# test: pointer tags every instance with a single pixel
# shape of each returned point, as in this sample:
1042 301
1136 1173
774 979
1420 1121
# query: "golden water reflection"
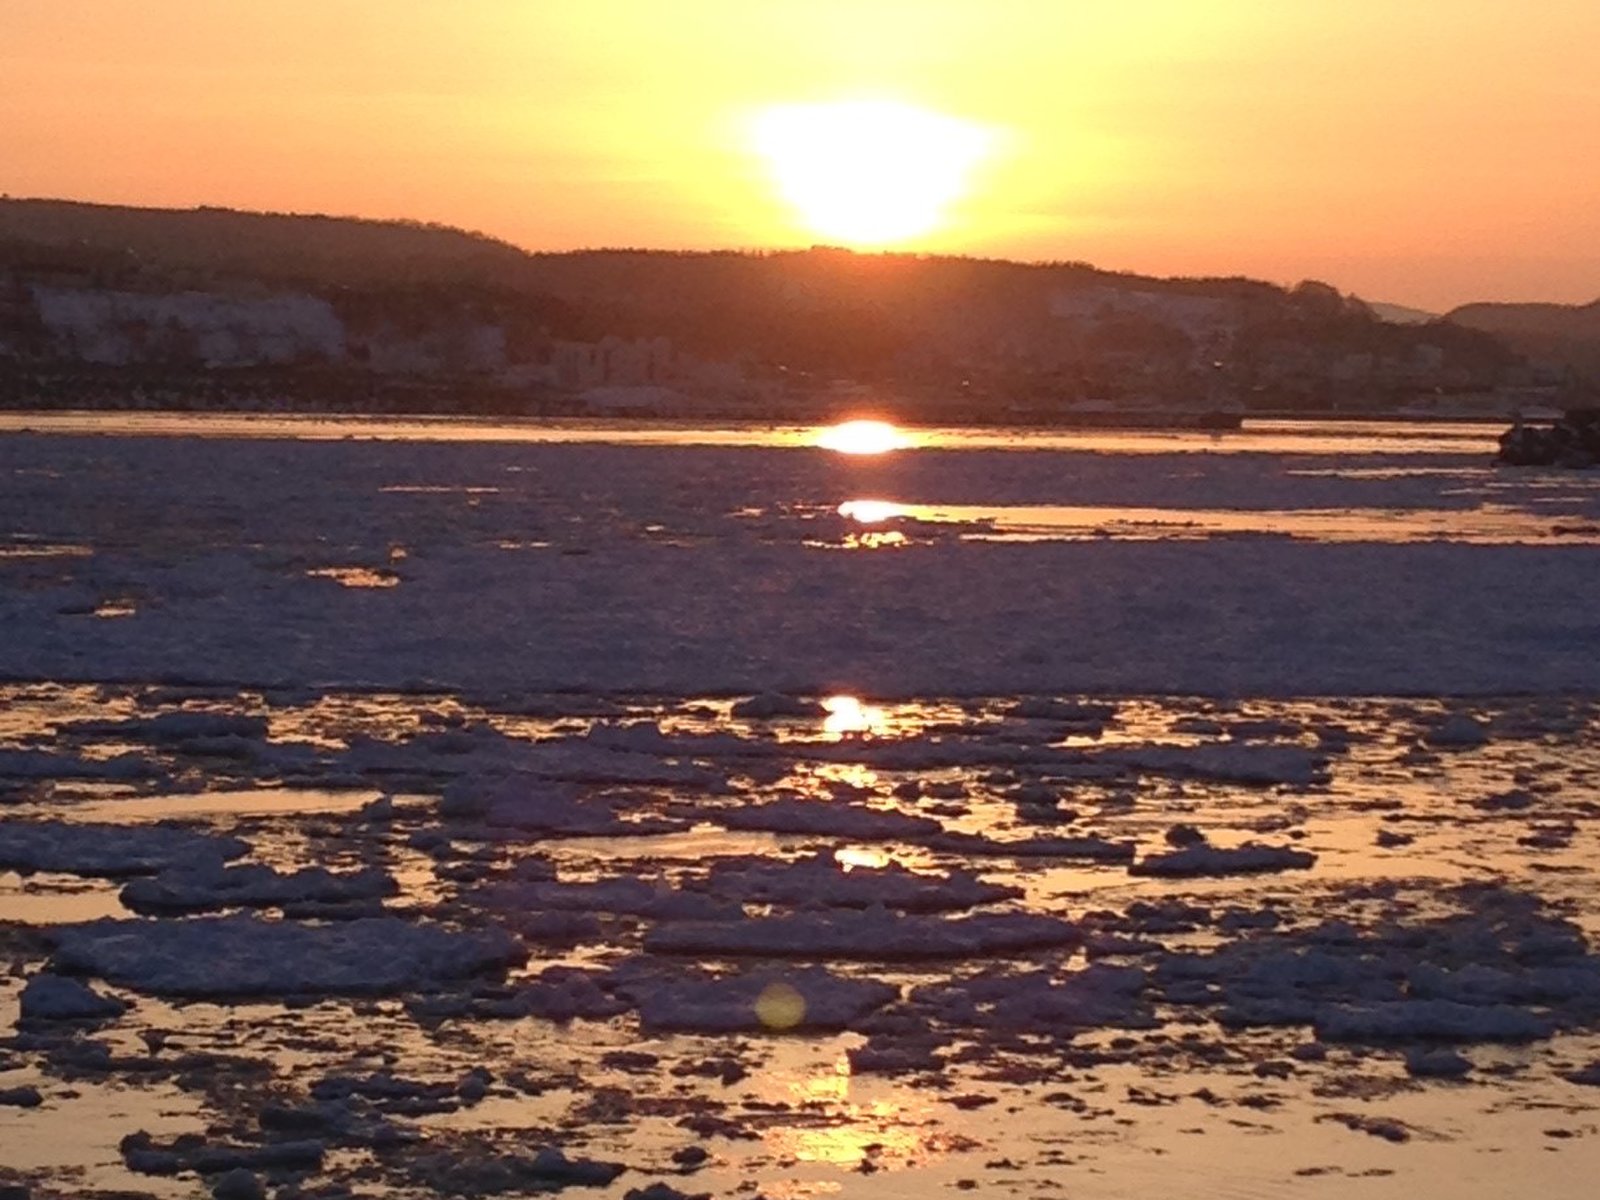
852 857
849 1133
357 577
1486 524
847 715
871 512
874 540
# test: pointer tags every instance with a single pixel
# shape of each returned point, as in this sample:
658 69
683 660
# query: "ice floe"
177 726
1430 1020
1097 996
820 881
48 997
634 897
770 706
212 885
246 956
872 935
46 764
1457 731
538 807
1093 849
1248 859
110 850
793 815
1238 762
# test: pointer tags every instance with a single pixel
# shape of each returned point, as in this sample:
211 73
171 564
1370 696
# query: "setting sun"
869 172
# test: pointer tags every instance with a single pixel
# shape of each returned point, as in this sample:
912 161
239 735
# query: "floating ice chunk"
1588 1076
1430 1020
828 819
1477 983
144 1154
1095 849
1288 986
1437 1064
56 998
108 849
241 1183
1097 996
175 727
485 751
1457 731
1513 800
213 885
245 956
43 764
888 1054
1233 762
630 737
770 706
1073 712
562 993
1263 729
780 1000
387 1092
821 881
1249 859
1379 1127
447 1173
647 738
579 763
536 807
634 897
873 935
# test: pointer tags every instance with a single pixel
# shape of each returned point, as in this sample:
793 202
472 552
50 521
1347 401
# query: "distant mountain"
1565 335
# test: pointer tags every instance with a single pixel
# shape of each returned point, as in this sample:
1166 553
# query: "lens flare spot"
862 437
780 1006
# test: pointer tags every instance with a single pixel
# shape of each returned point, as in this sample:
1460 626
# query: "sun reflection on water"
873 540
871 512
847 715
846 1131
862 437
851 857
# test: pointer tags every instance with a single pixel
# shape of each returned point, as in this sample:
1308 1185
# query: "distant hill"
1399 314
1564 334
277 247
208 288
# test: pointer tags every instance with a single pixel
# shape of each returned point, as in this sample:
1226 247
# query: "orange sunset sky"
1426 152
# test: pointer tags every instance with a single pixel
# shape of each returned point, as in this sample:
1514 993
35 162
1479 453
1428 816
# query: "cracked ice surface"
629 568
1039 914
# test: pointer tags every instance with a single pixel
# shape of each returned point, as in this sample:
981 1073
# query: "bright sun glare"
869 172
862 437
